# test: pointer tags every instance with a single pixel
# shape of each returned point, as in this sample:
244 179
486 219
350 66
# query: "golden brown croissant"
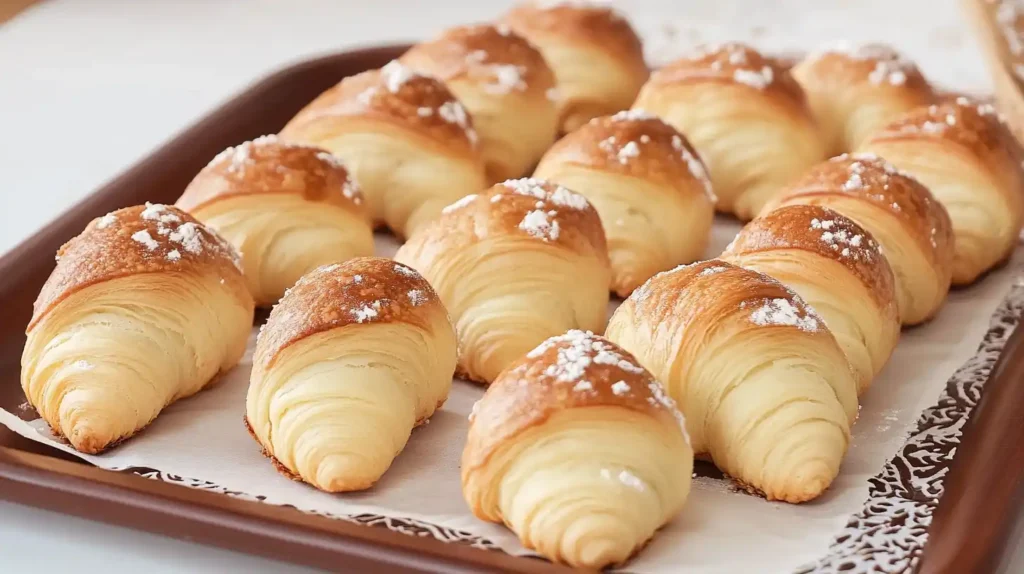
352 358
766 391
514 265
578 450
837 268
649 187
287 208
911 227
146 306
745 115
506 86
403 136
972 164
855 92
594 52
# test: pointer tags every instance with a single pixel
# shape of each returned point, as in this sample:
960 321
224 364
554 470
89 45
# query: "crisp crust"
826 233
636 144
533 209
877 65
732 63
708 292
393 94
598 27
971 125
481 54
268 166
364 290
873 180
149 238
575 370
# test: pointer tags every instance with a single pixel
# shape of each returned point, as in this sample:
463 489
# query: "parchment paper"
201 442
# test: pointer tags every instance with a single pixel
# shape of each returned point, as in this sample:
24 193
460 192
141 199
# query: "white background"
88 87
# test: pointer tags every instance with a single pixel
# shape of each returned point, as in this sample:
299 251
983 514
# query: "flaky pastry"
837 268
911 227
145 307
765 388
505 85
972 164
352 358
596 56
578 450
649 186
403 136
287 208
745 115
520 262
854 92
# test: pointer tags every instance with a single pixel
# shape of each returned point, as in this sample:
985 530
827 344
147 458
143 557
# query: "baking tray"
980 508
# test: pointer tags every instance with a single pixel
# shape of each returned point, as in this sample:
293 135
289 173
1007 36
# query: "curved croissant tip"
342 473
85 439
809 481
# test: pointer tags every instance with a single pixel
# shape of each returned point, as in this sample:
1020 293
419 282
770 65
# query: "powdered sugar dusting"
620 388
454 113
143 237
628 151
633 115
460 203
395 75
106 221
560 196
540 224
695 166
404 270
417 297
781 312
759 79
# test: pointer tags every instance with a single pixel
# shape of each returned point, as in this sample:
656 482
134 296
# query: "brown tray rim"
285 533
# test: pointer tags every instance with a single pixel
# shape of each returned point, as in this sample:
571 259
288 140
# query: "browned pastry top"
393 93
361 290
266 165
149 238
967 123
877 64
596 27
732 63
574 370
533 209
712 291
634 143
874 180
501 61
826 233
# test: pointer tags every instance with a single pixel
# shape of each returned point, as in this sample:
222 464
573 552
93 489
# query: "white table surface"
87 87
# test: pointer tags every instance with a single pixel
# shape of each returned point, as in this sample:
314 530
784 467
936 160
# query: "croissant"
853 93
287 208
145 307
972 164
835 266
514 265
766 391
597 58
579 451
403 136
649 187
505 85
745 115
912 228
352 358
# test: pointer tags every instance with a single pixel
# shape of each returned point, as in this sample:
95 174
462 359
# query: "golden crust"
599 26
717 290
636 144
149 238
735 64
268 166
970 125
483 54
393 94
871 64
825 233
358 291
533 209
574 370
875 181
